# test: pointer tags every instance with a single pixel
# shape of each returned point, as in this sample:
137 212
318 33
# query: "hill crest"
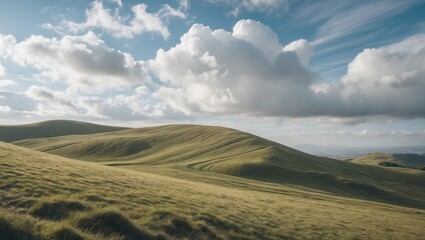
52 128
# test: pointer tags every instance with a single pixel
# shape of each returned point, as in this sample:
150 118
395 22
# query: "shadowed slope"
231 152
54 128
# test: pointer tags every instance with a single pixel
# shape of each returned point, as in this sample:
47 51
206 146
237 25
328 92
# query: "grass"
100 202
51 129
191 151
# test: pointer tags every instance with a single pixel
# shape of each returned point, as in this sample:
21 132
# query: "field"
198 182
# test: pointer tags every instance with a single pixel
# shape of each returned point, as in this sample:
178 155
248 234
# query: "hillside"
178 150
51 129
414 161
44 196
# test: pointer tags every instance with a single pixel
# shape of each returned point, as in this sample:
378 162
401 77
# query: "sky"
298 72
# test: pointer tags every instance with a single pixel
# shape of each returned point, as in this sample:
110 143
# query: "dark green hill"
231 152
54 128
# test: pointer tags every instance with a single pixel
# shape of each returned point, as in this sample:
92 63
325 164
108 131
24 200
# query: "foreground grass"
48 197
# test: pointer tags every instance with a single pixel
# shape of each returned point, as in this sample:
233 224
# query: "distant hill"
344 152
54 128
231 152
415 161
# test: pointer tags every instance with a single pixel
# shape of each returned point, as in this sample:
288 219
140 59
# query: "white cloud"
247 71
265 6
389 80
7 43
6 83
2 70
142 90
39 101
244 71
83 62
51 102
302 48
123 26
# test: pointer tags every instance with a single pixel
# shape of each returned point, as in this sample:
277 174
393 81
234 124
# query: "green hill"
43 196
54 128
414 161
178 150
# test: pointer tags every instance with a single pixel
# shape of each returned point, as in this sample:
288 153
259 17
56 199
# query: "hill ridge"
51 128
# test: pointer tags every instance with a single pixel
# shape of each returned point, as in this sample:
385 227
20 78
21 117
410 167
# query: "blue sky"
299 72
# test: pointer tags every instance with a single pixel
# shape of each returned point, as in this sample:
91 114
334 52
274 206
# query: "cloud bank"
246 71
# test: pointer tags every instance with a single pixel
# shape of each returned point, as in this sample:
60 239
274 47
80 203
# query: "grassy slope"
44 196
169 150
51 129
408 160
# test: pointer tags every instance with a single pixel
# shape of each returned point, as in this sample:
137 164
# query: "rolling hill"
191 151
51 129
43 196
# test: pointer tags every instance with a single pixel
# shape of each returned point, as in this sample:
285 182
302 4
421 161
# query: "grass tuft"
113 223
57 210
20 228
67 233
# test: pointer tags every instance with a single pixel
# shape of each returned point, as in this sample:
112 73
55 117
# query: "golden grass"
48 197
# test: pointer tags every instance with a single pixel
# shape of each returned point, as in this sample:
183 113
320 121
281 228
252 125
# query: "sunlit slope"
10 133
231 152
44 196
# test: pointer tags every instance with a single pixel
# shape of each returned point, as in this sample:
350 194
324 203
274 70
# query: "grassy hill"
398 160
51 129
186 151
43 196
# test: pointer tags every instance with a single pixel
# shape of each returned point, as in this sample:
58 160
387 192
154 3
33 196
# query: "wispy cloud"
345 18
264 6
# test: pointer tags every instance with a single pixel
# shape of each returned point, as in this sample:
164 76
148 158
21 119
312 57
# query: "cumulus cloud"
247 71
232 72
84 62
124 26
387 81
265 6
